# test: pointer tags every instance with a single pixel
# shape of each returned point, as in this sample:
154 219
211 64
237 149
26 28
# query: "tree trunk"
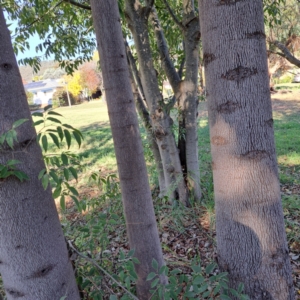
251 238
136 194
161 121
34 262
185 92
144 114
189 93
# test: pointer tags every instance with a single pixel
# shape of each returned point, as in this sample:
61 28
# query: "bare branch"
78 4
180 25
134 70
163 49
148 8
102 270
287 54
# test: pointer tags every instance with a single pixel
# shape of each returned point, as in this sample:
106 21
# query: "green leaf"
54 120
53 174
130 253
203 288
60 132
13 162
162 270
62 202
10 139
133 274
69 126
68 137
154 264
234 293
151 276
135 260
240 287
189 294
73 190
64 159
55 139
45 143
38 114
45 181
78 138
52 112
76 202
113 297
210 268
206 294
2 138
57 192
225 297
198 280
175 271
41 174
154 283
196 268
66 174
18 123
73 172
21 175
38 122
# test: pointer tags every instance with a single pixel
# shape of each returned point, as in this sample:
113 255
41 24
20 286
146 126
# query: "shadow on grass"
98 143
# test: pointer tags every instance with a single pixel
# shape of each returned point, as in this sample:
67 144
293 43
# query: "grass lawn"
187 234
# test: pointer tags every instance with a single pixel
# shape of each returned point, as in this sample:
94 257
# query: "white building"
43 90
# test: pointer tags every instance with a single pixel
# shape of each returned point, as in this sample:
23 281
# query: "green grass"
97 155
287 86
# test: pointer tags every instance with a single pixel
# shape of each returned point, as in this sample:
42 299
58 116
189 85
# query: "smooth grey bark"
34 261
137 17
136 194
185 91
140 101
251 238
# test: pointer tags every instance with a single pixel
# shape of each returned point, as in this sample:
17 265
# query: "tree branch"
148 8
163 49
134 71
287 54
180 25
102 270
78 4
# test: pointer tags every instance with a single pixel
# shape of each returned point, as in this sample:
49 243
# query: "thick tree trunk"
251 238
136 194
34 262
161 121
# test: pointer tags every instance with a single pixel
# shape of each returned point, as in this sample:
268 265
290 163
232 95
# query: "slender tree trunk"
136 194
185 92
189 93
161 121
145 116
251 238
34 262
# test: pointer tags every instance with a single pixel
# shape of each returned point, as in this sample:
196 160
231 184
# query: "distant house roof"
44 85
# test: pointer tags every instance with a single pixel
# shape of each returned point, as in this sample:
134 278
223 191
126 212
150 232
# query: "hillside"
48 69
